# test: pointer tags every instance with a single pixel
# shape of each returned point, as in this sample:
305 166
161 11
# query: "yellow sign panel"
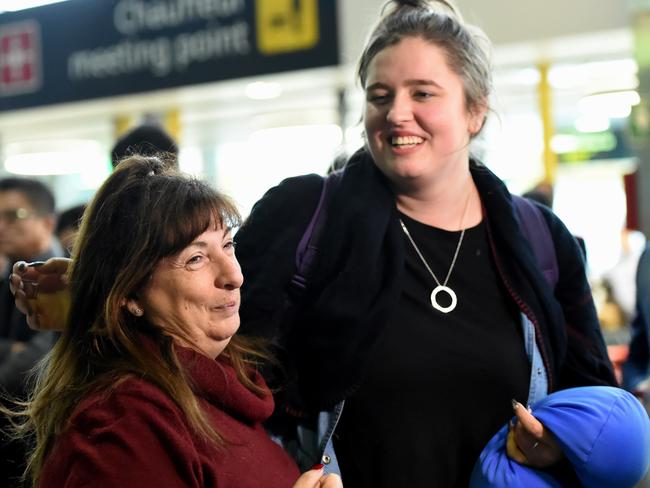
286 25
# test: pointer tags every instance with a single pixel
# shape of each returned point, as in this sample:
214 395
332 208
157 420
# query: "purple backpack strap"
539 237
308 245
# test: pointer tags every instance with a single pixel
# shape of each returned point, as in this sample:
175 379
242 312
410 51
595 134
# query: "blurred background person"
27 221
147 139
543 193
636 370
539 196
621 277
67 226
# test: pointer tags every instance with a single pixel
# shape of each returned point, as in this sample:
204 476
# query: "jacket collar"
520 271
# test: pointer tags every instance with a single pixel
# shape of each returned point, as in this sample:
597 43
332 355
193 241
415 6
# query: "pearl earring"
137 311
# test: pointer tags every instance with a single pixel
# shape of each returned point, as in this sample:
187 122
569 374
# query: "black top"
438 386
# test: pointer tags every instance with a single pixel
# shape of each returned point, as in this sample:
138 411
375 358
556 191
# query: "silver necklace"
441 288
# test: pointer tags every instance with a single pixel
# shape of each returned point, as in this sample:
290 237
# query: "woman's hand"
40 291
314 478
529 442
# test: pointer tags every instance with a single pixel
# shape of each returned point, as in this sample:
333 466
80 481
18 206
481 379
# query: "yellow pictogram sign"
286 25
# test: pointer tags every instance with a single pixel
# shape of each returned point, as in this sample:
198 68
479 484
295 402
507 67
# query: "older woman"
148 384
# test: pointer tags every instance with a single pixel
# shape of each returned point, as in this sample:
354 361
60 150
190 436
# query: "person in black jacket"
425 313
26 233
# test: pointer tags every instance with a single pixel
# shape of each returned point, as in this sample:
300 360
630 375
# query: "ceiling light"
44 163
592 123
609 104
518 77
263 90
564 143
565 76
584 142
54 157
14 5
300 135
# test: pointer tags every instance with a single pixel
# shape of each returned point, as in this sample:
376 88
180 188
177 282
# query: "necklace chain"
441 287
426 265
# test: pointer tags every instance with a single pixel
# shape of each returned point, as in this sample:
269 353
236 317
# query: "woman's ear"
477 116
132 305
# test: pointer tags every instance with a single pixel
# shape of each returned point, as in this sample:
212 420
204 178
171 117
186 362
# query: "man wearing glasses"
27 222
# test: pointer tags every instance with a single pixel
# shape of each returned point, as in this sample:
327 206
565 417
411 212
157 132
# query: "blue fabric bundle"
604 432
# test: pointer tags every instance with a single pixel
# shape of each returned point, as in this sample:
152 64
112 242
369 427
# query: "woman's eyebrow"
416 82
201 244
413 82
377 86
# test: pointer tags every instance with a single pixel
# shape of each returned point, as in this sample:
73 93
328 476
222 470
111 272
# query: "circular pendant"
449 292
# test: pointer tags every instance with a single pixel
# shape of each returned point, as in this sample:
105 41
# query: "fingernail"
316 467
530 410
35 264
515 404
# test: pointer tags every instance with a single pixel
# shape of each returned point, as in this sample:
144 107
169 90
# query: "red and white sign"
20 58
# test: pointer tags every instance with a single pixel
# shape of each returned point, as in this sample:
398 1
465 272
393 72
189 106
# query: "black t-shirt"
438 386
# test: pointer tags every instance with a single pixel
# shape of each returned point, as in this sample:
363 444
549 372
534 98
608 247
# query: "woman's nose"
400 110
229 275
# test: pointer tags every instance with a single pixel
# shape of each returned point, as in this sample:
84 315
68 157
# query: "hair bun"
412 3
426 4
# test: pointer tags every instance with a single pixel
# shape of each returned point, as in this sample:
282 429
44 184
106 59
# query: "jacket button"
539 371
326 459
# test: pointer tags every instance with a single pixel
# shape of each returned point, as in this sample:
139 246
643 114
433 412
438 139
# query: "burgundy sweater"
138 437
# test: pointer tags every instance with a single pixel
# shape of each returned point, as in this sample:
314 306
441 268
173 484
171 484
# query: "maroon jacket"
137 436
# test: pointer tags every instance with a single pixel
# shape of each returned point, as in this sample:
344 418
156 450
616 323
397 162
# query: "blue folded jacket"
604 432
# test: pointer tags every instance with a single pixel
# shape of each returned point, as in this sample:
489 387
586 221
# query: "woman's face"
197 291
416 122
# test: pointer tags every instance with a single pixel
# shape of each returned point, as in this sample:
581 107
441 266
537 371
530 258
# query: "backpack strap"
539 237
308 245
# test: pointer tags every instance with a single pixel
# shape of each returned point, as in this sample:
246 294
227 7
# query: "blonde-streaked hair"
144 212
